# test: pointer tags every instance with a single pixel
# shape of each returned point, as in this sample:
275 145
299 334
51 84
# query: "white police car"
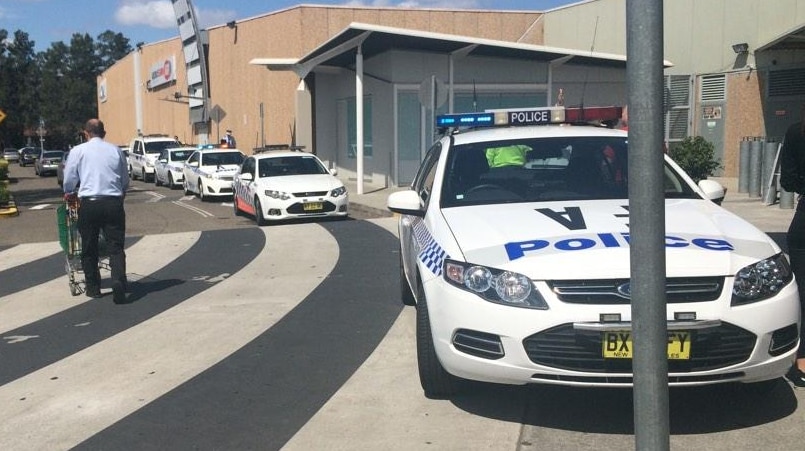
143 152
520 274
278 185
209 171
169 166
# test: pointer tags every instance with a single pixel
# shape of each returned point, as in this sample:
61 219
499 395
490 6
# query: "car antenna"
587 72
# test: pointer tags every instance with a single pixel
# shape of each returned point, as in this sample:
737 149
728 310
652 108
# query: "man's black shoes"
119 292
796 376
94 292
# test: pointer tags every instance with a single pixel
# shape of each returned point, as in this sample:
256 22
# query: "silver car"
11 154
48 162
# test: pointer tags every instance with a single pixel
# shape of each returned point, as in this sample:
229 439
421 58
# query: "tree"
696 156
111 47
19 80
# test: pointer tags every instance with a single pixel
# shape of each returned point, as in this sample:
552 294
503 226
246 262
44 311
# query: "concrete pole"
644 83
359 117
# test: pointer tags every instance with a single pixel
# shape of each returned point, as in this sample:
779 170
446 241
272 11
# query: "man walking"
96 171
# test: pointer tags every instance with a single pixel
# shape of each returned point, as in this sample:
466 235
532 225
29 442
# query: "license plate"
312 206
618 345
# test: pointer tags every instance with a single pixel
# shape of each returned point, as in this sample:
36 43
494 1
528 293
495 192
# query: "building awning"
376 39
793 39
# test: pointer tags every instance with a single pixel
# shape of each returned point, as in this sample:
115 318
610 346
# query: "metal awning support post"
644 85
359 116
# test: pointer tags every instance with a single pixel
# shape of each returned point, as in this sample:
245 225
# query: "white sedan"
279 185
209 171
169 166
520 273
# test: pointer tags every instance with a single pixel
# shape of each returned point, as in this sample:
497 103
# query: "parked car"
520 273
168 168
143 152
60 169
279 185
11 154
48 162
209 171
28 155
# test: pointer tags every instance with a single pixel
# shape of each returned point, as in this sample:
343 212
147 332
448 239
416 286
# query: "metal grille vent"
714 88
789 82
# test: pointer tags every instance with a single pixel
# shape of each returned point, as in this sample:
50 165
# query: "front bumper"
479 340
304 207
217 186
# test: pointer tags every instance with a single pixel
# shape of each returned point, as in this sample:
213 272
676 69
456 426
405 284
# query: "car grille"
299 209
310 194
616 291
581 350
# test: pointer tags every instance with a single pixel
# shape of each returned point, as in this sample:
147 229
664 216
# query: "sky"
48 21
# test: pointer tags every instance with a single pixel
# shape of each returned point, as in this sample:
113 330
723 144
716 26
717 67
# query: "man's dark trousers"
94 215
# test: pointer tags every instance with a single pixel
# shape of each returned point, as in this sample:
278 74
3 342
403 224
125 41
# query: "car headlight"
340 191
761 280
274 194
149 164
494 285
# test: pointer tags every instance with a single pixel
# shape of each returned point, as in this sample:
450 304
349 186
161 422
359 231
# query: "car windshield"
53 154
279 166
221 158
544 169
31 151
180 155
158 146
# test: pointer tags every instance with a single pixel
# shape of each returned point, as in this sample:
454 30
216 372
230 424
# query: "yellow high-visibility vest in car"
514 155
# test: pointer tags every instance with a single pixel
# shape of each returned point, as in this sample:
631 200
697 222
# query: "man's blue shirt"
97 168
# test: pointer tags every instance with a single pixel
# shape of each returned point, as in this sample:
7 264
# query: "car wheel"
258 212
186 187
131 176
156 180
170 180
406 294
436 382
201 195
142 175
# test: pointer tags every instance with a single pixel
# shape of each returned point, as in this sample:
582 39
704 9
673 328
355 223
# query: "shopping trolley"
70 240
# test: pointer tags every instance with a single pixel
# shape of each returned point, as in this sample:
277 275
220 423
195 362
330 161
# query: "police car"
520 273
209 171
278 185
143 152
169 166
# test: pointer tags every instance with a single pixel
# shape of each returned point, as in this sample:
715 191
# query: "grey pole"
768 187
743 166
644 85
755 162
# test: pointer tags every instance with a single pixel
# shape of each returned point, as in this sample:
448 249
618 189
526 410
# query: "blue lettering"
712 244
574 244
673 241
518 250
609 240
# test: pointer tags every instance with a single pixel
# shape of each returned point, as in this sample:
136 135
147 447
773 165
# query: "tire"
142 175
186 187
258 212
201 195
131 175
156 180
406 294
436 382
170 180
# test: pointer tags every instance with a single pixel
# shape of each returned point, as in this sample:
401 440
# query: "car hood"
590 239
300 183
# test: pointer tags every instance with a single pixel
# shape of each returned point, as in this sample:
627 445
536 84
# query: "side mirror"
246 177
163 160
713 190
334 171
405 203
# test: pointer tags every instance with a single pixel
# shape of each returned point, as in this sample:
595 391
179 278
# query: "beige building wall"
238 88
161 112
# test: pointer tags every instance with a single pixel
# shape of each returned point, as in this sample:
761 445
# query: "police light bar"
205 146
529 116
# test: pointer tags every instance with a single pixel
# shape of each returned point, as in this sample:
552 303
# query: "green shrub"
5 194
3 169
696 156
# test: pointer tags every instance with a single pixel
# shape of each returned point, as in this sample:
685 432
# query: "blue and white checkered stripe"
432 255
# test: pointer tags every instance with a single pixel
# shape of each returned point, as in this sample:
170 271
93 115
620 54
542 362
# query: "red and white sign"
162 72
